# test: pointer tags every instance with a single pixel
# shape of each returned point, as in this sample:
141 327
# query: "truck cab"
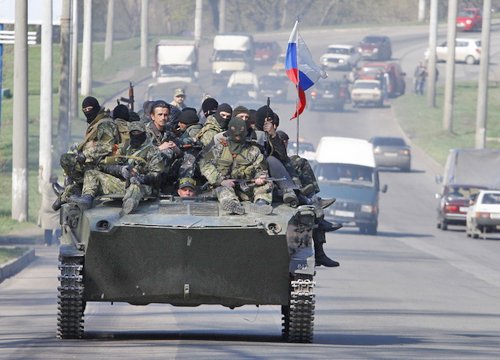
232 52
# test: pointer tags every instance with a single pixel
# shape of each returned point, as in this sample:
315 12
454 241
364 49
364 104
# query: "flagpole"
298 86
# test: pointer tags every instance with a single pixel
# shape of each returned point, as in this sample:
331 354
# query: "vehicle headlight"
341 61
367 208
375 50
468 21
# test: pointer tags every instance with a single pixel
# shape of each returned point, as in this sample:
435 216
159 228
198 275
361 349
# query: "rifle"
245 184
130 100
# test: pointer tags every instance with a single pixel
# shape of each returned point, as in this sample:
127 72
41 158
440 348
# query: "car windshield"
229 55
303 147
327 85
341 51
177 70
467 13
461 191
389 141
372 40
347 173
365 85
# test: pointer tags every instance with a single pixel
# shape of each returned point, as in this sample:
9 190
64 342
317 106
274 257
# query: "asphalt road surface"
411 292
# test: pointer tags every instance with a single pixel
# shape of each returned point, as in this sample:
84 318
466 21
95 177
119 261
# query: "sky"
7 13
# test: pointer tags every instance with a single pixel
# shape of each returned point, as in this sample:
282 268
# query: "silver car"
391 152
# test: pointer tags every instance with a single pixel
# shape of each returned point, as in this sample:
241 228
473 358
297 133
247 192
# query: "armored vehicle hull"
187 253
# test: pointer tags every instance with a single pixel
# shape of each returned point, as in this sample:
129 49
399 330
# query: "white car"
483 215
244 80
365 92
466 50
340 57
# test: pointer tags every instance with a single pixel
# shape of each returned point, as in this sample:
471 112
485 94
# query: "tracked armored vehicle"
187 252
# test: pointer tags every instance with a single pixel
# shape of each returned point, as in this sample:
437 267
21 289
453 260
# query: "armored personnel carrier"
187 252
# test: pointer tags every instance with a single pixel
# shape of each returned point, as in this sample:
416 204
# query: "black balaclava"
209 106
261 115
236 134
121 112
137 134
225 108
91 101
189 116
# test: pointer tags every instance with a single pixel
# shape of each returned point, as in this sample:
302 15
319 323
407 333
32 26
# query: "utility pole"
449 90
108 44
73 103
63 125
45 154
482 93
86 78
431 63
421 10
20 115
222 16
144 33
197 22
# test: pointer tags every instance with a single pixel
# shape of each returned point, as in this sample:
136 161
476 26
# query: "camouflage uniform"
219 164
101 139
306 175
209 130
188 142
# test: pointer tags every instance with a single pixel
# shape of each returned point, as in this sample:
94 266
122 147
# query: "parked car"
453 204
391 72
340 57
274 87
367 92
328 94
483 214
391 152
266 52
375 47
469 19
466 50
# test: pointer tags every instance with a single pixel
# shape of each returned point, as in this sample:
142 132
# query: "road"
412 291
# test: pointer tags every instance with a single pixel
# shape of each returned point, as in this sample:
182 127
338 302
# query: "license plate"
391 154
328 96
463 209
344 213
495 216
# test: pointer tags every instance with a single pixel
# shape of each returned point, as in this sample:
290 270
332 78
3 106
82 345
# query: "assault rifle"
130 100
245 184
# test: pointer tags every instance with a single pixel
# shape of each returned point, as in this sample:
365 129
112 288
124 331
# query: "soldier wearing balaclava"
215 124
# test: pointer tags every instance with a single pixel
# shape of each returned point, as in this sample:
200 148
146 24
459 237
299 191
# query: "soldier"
209 107
215 124
231 161
121 116
101 139
179 98
135 173
187 188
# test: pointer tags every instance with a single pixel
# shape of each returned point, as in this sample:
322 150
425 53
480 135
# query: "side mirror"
384 188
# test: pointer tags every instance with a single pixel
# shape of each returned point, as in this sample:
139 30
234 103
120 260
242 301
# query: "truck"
175 61
231 52
345 169
467 171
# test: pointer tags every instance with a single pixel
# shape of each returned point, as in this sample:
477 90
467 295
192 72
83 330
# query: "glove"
228 183
80 157
125 172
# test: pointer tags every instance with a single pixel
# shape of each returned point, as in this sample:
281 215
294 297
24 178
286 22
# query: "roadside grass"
7 254
424 125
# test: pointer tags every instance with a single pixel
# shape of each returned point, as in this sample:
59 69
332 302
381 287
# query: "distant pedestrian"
48 219
420 75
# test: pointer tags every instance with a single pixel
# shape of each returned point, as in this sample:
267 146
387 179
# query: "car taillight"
313 94
483 215
451 208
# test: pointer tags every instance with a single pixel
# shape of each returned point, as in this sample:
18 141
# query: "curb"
16 265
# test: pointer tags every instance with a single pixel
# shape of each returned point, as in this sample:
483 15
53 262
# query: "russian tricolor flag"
300 67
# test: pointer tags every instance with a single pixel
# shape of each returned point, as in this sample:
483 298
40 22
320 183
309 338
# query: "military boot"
232 206
261 206
324 203
308 190
58 189
290 198
128 206
319 255
57 204
84 202
327 226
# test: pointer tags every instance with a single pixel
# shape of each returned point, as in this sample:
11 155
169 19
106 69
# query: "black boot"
327 226
319 254
58 189
57 204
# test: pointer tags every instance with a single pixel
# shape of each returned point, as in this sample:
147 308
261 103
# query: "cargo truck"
175 61
232 52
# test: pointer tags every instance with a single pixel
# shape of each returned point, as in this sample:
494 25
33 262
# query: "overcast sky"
7 11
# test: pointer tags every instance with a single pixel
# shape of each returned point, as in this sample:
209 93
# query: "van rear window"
344 173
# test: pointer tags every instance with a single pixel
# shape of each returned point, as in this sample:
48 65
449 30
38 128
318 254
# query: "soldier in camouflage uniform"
121 116
135 172
101 139
188 143
234 159
215 124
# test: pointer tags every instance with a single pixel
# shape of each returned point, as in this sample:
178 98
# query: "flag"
300 67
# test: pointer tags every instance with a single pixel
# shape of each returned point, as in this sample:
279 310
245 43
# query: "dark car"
453 204
391 152
274 87
375 47
266 52
329 95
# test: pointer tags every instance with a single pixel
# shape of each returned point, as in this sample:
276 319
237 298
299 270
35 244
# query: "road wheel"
443 225
371 229
469 60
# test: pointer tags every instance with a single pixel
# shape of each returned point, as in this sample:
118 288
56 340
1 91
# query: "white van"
246 81
345 169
